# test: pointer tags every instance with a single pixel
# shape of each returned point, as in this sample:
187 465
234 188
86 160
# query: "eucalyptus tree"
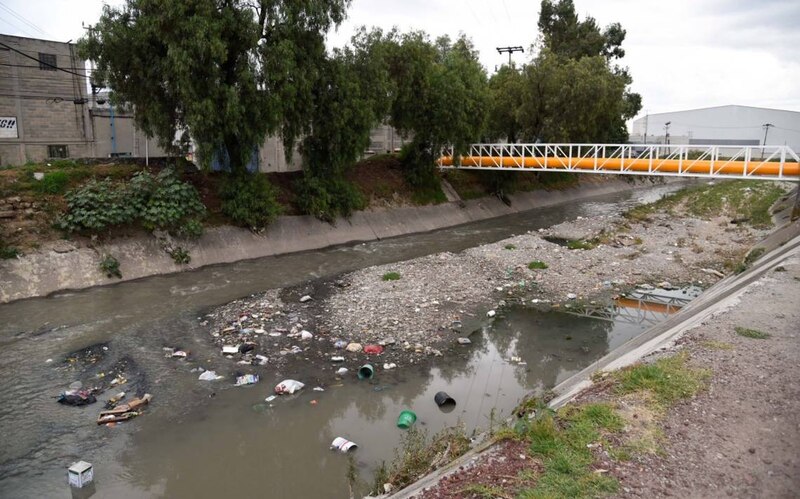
228 71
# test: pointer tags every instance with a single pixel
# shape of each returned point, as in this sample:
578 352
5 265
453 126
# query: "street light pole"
764 144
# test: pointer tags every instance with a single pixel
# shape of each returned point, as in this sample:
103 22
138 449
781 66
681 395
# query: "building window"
57 152
47 62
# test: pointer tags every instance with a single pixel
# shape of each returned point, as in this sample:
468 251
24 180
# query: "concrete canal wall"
64 265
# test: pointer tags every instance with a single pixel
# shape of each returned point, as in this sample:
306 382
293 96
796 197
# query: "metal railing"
713 161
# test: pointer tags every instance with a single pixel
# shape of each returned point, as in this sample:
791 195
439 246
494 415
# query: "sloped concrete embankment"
61 265
778 246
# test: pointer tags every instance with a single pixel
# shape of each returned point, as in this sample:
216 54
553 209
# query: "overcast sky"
682 54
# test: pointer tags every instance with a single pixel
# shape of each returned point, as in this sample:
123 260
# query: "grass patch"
53 183
416 456
753 255
669 379
580 244
537 265
625 427
391 276
561 444
716 345
510 247
747 201
751 333
8 252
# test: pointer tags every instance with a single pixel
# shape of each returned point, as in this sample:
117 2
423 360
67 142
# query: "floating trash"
288 386
343 445
366 371
406 419
247 379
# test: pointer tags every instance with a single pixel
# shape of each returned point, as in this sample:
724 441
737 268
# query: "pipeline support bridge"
705 161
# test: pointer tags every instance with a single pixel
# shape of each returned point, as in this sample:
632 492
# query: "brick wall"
42 100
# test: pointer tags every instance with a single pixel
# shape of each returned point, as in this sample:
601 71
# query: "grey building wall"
50 106
127 139
385 139
721 125
272 157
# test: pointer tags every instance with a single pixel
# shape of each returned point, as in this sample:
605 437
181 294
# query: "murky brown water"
189 444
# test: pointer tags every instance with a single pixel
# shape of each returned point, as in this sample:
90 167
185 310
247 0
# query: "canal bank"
196 431
738 436
63 265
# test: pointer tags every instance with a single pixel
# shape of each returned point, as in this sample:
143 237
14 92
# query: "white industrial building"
721 125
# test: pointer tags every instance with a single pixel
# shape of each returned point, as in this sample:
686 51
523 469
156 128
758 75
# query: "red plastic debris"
373 349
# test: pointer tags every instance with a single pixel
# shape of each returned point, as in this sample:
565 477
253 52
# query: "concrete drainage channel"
781 244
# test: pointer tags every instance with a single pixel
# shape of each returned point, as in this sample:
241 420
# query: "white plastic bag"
288 386
209 376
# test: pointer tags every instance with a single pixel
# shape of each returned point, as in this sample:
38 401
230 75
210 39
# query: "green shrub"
63 163
250 201
537 265
110 267
7 252
191 229
180 256
53 183
96 206
391 276
328 198
166 201
156 202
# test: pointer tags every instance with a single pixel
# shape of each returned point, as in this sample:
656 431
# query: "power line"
42 62
17 27
505 7
31 66
24 20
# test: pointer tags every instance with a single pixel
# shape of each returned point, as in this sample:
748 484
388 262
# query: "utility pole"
646 123
764 144
510 51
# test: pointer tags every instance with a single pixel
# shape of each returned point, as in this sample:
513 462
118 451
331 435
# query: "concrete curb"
47 271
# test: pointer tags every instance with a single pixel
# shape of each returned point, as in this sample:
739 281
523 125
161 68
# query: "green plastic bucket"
406 419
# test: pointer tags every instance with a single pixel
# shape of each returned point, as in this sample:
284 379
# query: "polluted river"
209 439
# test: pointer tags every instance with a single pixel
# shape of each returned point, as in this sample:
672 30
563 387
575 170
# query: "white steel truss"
689 160
639 307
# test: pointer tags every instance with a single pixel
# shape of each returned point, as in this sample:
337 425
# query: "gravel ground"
738 438
741 437
420 315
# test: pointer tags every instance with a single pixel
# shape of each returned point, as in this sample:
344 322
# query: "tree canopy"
228 71
231 72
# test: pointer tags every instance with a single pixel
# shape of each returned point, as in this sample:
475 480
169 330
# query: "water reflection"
191 444
225 446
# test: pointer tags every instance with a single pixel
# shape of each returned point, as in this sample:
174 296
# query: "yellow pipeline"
790 169
647 305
